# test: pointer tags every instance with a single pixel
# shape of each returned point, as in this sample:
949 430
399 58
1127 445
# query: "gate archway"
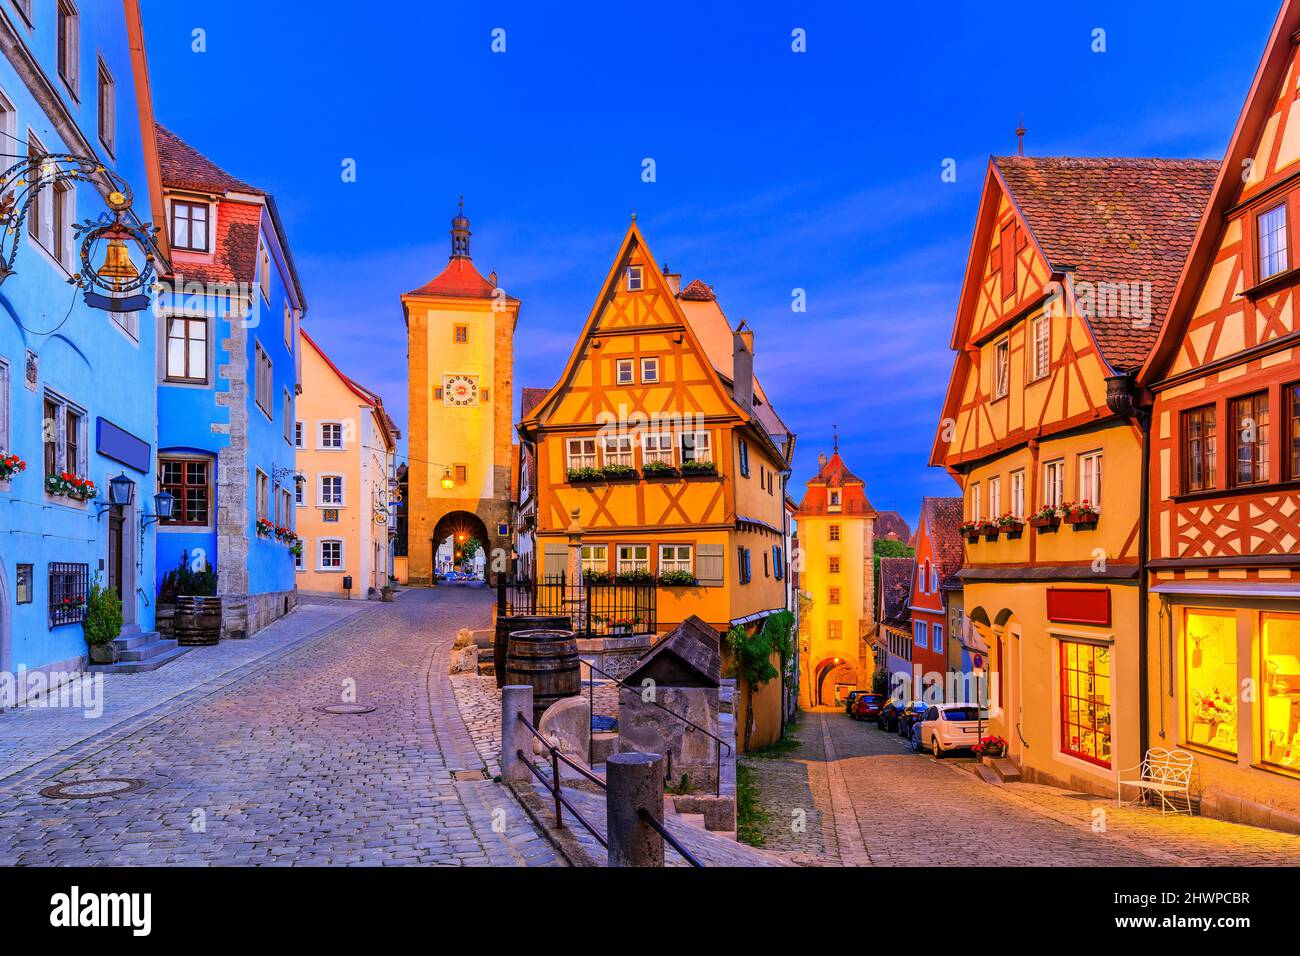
829 673
453 532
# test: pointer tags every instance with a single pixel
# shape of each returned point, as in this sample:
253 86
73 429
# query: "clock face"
460 390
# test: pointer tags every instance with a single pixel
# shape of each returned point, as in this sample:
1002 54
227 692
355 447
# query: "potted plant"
676 579
1046 518
1082 513
265 528
583 475
990 530
386 593
971 530
621 626
103 623
11 465
696 468
658 469
616 471
1010 524
634 577
188 608
68 485
991 747
596 577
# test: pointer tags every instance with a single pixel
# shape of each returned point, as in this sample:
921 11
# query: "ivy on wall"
752 653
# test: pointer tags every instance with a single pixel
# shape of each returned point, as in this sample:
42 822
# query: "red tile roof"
896 589
1112 221
835 474
460 280
531 397
943 518
184 167
696 291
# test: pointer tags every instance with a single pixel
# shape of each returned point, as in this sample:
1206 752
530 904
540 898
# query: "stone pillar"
635 782
516 699
575 586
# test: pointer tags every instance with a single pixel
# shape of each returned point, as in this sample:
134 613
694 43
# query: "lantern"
447 481
121 490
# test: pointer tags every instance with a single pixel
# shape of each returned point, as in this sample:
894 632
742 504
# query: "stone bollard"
634 782
516 699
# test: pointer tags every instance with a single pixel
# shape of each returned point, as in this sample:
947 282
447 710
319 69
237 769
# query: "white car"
952 727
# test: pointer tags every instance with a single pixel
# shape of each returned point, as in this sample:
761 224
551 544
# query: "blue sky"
775 170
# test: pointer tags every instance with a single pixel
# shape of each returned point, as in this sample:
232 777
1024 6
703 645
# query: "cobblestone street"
239 766
853 795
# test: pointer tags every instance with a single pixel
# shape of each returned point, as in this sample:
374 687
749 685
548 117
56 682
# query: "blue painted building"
76 383
228 376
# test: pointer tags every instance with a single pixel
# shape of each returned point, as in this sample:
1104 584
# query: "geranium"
11 465
990 746
68 485
1009 520
265 527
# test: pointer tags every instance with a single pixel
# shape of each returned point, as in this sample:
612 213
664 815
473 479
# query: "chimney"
742 362
674 280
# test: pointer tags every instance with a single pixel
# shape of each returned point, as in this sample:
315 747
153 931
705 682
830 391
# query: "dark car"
887 719
867 706
911 714
853 695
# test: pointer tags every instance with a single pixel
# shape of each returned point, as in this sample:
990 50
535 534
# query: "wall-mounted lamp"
447 481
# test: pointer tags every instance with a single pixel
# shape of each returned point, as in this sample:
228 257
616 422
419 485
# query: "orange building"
1224 608
659 437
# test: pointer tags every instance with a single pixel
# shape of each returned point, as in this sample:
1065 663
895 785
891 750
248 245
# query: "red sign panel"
1079 606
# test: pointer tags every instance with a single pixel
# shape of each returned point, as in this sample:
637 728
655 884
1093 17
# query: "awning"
1249 589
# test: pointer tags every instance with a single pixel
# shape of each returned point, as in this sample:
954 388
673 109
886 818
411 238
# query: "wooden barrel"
197 620
520 622
548 661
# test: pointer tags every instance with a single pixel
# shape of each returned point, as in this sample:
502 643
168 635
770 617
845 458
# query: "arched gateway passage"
830 673
461 547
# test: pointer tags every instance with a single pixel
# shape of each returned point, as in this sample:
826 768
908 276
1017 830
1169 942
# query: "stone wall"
645 728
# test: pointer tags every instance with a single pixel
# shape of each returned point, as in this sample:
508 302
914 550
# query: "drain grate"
92 787
469 775
346 708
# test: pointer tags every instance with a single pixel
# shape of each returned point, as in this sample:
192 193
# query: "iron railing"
69 588
610 609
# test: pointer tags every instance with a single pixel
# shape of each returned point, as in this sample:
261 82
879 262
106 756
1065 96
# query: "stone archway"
829 673
459 527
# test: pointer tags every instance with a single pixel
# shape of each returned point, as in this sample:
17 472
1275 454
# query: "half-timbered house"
1224 608
1071 266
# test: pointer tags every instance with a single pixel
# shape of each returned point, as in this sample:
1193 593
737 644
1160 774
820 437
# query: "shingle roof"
896 589
530 399
690 655
1114 221
460 279
835 474
696 291
943 516
184 167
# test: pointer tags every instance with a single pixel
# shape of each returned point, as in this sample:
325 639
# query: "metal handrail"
671 840
636 690
551 748
555 790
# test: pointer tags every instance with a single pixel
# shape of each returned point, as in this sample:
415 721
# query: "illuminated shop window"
1280 647
1085 701
1210 650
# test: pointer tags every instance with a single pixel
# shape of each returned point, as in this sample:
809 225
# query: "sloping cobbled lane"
252 772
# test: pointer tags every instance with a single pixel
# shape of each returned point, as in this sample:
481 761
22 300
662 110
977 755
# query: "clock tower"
460 330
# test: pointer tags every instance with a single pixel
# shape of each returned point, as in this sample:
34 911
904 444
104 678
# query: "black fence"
615 609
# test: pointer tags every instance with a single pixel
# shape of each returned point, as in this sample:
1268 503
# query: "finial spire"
1020 136
460 232
835 442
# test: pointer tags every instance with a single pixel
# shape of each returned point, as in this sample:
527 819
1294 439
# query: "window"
1291 400
1007 259
264 272
833 596
1018 493
1085 701
297 434
331 490
331 435
1001 368
675 557
69 587
64 212
634 559
920 634
936 637
288 327
696 446
834 630
1250 439
934 579
298 493
288 418
189 226
461 473
68 43
976 499
186 479
618 450
649 370
1272 242
107 103
657 447
38 214
833 502
766 568
923 575
1090 479
187 349
778 562
742 447
331 555
1280 669
634 277
263 378
5 447
64 431
833 532
298 563
460 333
995 497
1054 483
595 559
833 563
1210 689
580 453
624 372
742 554
1041 332
23 582
262 485
285 508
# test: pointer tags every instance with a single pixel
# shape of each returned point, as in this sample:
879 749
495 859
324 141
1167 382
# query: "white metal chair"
1164 773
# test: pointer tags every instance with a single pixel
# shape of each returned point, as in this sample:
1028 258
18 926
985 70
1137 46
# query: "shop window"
1280 668
1210 650
1085 701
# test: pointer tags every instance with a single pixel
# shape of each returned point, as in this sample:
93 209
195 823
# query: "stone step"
139 667
135 640
692 819
986 774
1006 769
144 652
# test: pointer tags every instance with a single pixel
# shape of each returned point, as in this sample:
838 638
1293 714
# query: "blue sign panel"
120 445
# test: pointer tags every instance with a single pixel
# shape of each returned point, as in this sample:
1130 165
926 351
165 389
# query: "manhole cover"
93 787
346 709
468 775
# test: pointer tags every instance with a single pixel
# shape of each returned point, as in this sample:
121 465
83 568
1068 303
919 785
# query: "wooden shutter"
710 565
555 559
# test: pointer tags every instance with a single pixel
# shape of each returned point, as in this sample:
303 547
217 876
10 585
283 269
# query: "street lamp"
447 482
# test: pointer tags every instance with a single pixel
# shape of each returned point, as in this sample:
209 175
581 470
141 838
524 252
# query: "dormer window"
634 277
1272 242
834 500
189 226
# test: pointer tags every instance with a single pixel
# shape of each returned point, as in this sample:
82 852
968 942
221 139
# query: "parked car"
898 713
947 727
909 715
887 719
917 744
848 700
866 706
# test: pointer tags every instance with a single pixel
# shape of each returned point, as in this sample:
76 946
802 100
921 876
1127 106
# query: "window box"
990 530
676 579
971 530
696 469
584 475
1048 519
1010 525
634 577
11 465
616 472
265 528
1080 516
658 469
67 485
597 577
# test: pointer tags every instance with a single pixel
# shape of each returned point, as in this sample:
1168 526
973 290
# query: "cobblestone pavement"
875 802
244 769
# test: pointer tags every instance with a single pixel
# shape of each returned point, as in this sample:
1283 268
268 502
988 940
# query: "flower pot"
1045 524
387 595
104 653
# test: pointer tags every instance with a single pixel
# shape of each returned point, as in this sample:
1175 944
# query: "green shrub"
103 623
618 471
654 469
184 581
585 474
676 579
699 468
